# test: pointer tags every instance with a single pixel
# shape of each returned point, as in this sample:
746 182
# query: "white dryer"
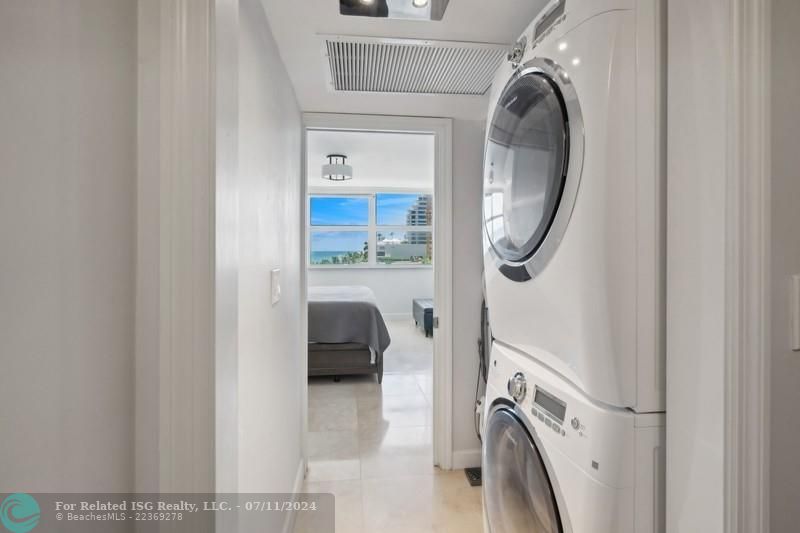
555 461
573 198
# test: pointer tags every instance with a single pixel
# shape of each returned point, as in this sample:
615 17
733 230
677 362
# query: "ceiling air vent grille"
410 66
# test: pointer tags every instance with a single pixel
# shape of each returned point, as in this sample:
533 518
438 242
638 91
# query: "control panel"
546 407
601 441
549 422
550 409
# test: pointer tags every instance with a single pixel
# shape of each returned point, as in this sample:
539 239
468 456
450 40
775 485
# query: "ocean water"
319 257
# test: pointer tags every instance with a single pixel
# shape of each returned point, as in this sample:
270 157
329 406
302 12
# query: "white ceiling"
296 26
379 160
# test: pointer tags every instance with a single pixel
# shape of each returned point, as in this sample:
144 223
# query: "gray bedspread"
346 314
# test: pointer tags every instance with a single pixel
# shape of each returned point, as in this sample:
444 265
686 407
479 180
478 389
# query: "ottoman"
423 314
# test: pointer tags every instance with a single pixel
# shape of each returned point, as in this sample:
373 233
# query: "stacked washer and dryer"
573 428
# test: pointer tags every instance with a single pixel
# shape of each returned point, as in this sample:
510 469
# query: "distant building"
417 246
392 250
421 214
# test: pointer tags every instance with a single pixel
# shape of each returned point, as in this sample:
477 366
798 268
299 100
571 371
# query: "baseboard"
288 526
300 477
466 458
397 316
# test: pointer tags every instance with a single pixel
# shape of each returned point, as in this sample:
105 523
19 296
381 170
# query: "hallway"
371 446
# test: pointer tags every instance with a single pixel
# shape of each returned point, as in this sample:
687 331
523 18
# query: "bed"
346 332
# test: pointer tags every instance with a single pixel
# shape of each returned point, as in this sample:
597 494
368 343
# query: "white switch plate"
796 312
275 281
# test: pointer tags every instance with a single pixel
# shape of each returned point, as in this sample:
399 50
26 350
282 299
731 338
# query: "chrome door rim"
533 265
516 411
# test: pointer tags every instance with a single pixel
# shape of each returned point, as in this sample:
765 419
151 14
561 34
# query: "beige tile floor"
371 446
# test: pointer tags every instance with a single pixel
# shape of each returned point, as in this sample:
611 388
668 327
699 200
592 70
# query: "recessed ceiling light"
562 45
419 3
367 2
576 61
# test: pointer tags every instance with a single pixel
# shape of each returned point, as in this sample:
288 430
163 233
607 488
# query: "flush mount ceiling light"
337 169
419 3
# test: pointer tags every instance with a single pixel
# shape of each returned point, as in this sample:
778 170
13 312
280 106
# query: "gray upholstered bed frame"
342 360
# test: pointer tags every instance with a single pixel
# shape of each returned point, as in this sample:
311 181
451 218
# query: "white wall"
785 258
697 123
467 284
270 350
226 231
379 159
394 288
67 176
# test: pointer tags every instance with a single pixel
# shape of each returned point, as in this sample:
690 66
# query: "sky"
392 208
354 211
339 211
338 241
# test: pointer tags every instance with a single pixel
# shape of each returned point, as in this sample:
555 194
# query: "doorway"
392 254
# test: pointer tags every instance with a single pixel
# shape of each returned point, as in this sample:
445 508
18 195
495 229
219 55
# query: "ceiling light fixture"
337 169
396 9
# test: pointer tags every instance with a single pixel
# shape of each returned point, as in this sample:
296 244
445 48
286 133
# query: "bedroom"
370 281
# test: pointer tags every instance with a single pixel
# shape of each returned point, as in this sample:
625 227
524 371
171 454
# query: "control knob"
517 387
517 52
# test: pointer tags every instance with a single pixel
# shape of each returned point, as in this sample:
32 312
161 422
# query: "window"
374 229
339 211
404 209
339 247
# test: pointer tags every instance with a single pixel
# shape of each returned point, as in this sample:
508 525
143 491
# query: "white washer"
555 461
573 198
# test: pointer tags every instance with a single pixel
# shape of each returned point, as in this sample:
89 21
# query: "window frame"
372 228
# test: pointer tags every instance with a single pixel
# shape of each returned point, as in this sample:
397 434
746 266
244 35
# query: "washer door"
526 167
517 493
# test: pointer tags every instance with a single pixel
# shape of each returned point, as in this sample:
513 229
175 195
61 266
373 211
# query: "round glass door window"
525 165
518 496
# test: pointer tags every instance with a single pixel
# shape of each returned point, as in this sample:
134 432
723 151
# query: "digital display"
555 407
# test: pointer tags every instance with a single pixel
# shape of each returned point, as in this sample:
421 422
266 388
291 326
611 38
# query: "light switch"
275 281
796 312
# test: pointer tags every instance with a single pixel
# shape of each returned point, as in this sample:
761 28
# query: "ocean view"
316 257
327 257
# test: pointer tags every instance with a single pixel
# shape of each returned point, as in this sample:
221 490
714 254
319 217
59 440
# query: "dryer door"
527 197
517 493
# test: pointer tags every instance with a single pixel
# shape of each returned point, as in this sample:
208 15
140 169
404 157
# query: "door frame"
718 312
442 130
739 219
747 306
